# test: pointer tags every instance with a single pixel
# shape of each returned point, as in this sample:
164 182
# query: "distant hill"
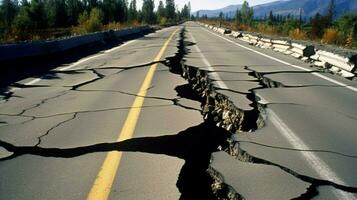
229 10
285 7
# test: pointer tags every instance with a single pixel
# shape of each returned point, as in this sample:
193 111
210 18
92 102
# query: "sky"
208 4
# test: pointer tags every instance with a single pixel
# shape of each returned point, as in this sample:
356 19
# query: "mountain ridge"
285 7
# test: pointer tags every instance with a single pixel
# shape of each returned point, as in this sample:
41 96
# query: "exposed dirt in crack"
200 88
215 106
195 144
235 151
218 109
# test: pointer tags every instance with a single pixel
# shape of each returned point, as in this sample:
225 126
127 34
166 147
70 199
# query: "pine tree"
133 13
148 15
170 10
56 13
8 11
74 8
161 12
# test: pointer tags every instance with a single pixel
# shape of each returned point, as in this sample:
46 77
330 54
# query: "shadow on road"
19 69
194 145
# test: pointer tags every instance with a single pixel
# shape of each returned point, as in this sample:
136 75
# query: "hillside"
285 7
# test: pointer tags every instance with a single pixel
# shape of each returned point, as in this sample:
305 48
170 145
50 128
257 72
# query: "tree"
189 9
8 11
110 9
90 22
37 14
74 8
345 23
318 25
238 17
354 34
331 12
90 4
247 13
161 10
148 15
56 13
271 18
132 13
170 10
185 12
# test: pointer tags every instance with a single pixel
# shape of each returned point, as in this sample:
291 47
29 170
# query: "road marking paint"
105 178
86 59
317 164
218 79
33 81
286 63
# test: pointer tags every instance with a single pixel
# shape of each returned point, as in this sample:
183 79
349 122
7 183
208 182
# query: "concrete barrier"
253 40
41 48
236 34
73 42
266 43
302 50
281 46
224 31
344 64
339 61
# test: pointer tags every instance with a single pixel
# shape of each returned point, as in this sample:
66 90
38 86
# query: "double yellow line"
105 178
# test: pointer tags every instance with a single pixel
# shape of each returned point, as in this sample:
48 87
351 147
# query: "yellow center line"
105 178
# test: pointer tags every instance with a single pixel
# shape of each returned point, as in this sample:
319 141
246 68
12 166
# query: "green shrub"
91 22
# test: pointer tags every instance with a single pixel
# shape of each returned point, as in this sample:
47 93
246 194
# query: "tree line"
23 19
323 27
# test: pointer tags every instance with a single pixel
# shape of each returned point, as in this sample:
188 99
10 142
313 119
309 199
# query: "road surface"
128 123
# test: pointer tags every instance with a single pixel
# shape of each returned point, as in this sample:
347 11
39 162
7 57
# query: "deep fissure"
248 121
222 119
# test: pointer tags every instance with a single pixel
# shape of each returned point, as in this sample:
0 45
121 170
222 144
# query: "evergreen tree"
247 13
133 13
74 8
331 12
8 11
238 17
56 13
37 14
148 15
161 12
110 10
170 10
185 13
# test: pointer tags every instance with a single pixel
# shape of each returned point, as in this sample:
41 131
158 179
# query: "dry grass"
298 34
330 36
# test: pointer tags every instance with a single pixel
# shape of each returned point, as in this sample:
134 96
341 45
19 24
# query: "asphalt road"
134 94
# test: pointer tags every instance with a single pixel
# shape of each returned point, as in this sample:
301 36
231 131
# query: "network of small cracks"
233 148
312 191
236 151
77 88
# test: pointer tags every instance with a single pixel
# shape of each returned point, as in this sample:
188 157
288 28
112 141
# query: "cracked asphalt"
217 122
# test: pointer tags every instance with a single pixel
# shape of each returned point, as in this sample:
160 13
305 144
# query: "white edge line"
318 165
86 59
286 63
218 79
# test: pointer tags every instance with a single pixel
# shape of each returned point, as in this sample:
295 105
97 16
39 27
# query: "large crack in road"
195 145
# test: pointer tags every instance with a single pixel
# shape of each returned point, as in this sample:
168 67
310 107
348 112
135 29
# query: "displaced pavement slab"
254 181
